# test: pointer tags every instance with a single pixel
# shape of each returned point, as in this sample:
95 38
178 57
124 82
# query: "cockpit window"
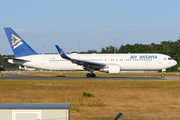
170 59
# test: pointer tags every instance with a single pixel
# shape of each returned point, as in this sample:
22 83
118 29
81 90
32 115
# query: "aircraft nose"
174 62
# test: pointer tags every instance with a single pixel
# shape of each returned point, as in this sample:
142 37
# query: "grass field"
92 97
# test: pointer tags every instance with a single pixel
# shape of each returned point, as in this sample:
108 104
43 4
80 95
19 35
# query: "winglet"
61 52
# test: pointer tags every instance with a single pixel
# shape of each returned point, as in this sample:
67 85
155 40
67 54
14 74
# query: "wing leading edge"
85 64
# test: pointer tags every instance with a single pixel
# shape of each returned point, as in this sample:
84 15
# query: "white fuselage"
127 62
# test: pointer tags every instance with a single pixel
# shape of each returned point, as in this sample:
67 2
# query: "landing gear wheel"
162 75
88 75
93 75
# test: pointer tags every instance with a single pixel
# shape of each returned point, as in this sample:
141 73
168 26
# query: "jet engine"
111 69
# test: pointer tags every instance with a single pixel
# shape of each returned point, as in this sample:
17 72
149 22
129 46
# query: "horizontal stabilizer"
20 60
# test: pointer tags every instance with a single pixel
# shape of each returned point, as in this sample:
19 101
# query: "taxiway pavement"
28 77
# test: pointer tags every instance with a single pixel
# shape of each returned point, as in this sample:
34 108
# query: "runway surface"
28 77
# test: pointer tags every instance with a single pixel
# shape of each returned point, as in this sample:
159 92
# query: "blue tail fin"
18 45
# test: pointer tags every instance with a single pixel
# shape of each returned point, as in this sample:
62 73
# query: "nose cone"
174 63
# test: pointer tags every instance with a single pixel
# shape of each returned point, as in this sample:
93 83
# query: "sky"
95 23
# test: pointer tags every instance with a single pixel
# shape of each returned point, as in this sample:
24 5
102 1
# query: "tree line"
4 64
165 47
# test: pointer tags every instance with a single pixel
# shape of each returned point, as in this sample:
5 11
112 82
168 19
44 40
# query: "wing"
85 64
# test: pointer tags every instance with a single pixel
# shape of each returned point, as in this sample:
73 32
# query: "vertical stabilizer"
18 45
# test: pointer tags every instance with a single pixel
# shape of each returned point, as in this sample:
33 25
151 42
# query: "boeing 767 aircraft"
109 63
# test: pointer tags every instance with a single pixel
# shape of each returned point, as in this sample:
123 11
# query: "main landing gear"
91 75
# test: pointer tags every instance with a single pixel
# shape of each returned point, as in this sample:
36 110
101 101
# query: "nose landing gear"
163 71
162 75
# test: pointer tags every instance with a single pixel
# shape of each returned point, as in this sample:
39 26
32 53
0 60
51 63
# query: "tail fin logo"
15 39
16 42
61 52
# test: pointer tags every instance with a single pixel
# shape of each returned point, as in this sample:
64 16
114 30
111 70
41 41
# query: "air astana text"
143 57
15 46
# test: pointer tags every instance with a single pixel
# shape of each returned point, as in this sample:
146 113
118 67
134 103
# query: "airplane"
109 63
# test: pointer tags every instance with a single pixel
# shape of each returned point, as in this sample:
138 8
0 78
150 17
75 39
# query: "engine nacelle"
15 62
111 69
